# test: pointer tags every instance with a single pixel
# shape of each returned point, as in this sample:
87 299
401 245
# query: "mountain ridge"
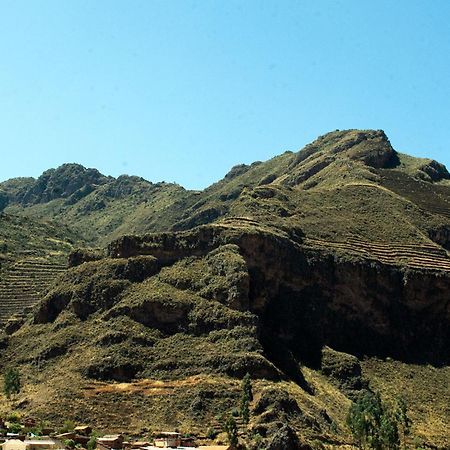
311 271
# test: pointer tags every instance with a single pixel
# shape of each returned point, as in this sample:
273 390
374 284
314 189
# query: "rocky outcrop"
433 171
343 370
62 182
441 235
305 299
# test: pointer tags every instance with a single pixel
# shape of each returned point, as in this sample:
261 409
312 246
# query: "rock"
344 370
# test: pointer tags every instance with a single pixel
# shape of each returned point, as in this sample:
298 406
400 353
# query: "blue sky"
183 90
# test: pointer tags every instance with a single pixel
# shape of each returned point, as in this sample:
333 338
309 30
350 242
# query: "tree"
404 422
92 441
246 398
231 429
375 424
247 386
11 383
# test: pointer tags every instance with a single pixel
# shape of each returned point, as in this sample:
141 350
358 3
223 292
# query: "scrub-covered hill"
320 273
97 207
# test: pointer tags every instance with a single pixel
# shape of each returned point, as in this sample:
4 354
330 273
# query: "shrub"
11 382
211 433
69 443
231 429
67 426
15 428
91 444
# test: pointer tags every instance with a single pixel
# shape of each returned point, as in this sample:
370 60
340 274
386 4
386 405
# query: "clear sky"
183 90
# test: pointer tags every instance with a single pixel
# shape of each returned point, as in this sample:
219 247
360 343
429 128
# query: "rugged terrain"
320 273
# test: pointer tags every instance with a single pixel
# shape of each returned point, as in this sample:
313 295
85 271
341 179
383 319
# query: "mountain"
96 206
321 273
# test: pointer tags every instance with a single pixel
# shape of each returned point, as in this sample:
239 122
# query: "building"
84 430
32 444
110 441
168 439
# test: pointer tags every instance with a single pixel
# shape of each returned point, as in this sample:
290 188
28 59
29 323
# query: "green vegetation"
15 428
230 427
378 425
246 398
67 427
4 200
11 382
92 441
69 443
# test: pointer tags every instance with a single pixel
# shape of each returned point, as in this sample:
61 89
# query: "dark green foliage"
246 398
92 441
69 443
403 420
247 388
67 427
11 382
15 428
14 418
211 433
4 200
230 427
375 424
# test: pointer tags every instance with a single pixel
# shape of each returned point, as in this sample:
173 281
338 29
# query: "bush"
15 428
67 426
247 396
13 417
211 433
11 382
69 443
232 431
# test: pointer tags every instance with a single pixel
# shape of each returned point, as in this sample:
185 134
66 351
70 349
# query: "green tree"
231 429
247 386
404 422
91 444
375 424
247 396
11 382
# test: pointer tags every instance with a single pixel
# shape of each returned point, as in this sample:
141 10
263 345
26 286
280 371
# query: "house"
43 444
167 439
14 444
32 444
84 430
110 441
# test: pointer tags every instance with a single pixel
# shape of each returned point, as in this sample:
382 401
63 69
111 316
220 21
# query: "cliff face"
306 298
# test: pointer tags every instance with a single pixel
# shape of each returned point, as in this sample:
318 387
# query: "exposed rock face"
62 182
441 236
434 171
305 300
344 370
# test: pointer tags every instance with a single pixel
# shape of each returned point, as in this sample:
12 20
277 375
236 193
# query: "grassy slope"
20 236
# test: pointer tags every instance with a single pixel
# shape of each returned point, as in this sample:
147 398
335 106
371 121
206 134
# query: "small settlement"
81 438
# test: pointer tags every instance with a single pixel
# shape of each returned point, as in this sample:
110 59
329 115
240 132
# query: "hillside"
320 273
99 208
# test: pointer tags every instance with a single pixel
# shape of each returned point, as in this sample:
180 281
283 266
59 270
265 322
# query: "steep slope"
301 267
32 255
